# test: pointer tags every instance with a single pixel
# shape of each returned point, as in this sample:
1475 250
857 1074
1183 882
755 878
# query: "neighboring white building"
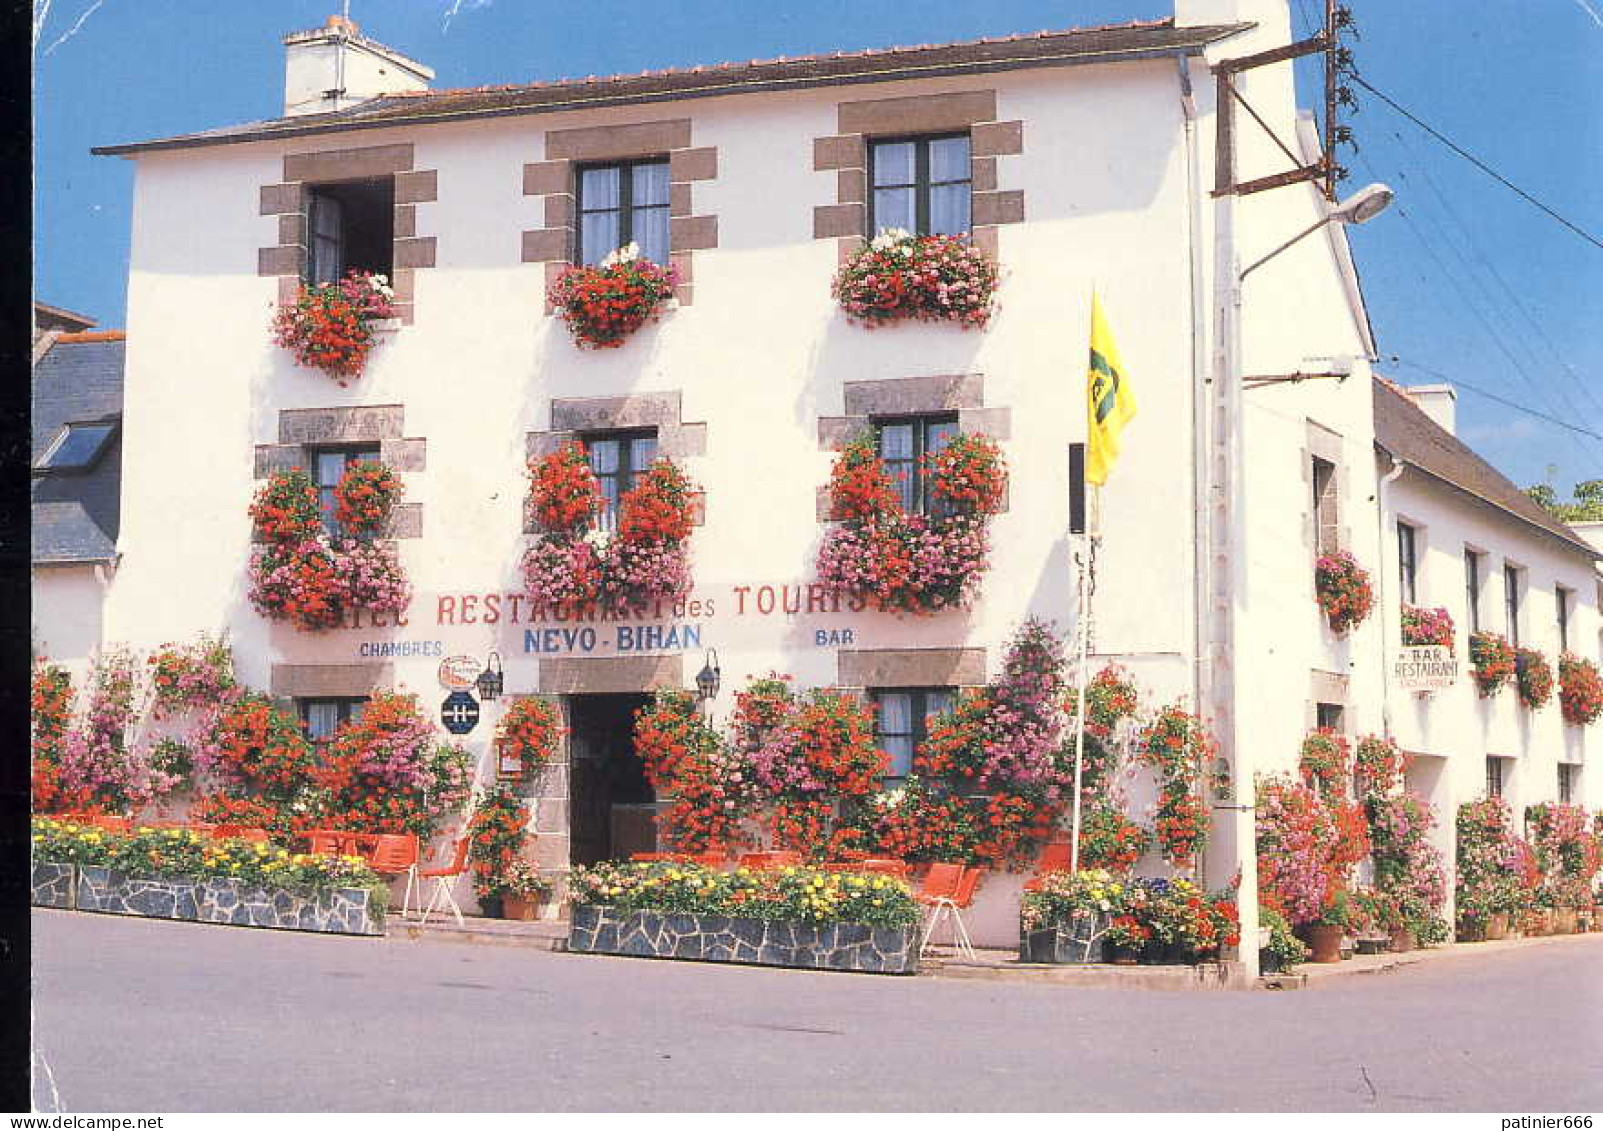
1087 153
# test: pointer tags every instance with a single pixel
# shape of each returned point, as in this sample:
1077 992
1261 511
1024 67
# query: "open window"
350 226
77 447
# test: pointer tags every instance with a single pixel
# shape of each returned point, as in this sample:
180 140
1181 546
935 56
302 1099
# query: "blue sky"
1464 279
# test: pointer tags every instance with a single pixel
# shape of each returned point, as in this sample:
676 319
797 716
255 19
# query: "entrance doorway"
612 807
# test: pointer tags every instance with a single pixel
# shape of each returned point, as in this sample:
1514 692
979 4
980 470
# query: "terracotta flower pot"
1324 941
1402 940
1497 926
518 907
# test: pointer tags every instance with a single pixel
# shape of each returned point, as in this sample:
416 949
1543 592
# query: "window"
621 204
331 465
903 444
77 447
902 723
322 717
1511 602
1472 588
1562 602
350 227
1407 562
920 185
1567 773
1327 533
1494 777
1329 715
618 459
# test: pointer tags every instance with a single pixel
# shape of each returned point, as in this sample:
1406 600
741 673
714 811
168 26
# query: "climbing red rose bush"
313 579
899 276
329 326
916 563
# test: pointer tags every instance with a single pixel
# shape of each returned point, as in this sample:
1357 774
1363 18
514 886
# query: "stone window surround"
572 417
963 393
860 669
329 681
858 123
287 202
302 431
1327 687
553 180
1323 443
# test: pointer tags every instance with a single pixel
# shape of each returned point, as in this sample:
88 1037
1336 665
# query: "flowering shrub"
1110 840
388 772
302 575
50 704
1379 766
1410 872
1110 697
1325 762
1491 662
1306 848
329 325
711 785
254 749
1177 746
603 305
1427 626
1580 690
186 677
497 835
1161 920
1533 678
1341 586
1492 875
912 562
899 276
571 566
364 498
98 770
1566 852
798 894
529 731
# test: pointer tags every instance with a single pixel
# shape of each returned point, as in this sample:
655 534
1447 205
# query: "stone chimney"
1439 402
333 67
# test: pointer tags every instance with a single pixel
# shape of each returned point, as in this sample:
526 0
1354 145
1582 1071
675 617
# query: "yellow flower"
675 874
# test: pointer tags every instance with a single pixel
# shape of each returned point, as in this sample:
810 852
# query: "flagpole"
1082 618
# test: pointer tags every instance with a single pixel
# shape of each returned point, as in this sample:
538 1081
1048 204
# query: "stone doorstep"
538 934
1004 966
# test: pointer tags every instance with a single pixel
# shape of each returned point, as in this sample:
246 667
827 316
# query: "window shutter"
1076 488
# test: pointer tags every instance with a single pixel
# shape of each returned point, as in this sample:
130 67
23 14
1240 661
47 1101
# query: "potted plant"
1283 949
1423 627
1491 662
1533 677
523 890
1342 589
900 276
604 304
1580 690
1375 915
1324 934
330 326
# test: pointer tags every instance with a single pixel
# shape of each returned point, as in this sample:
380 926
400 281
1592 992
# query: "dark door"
610 802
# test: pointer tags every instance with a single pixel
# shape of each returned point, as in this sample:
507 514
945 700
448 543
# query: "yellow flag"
1109 399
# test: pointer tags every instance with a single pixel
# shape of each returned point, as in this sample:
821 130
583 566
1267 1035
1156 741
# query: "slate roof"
1107 43
76 514
1403 430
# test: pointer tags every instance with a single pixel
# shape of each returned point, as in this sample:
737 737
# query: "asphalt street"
139 1015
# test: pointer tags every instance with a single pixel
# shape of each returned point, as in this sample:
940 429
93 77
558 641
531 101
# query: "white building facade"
1089 163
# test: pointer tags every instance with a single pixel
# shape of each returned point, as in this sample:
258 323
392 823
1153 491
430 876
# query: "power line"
1476 161
1458 381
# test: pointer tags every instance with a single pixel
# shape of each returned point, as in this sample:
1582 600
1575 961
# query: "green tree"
1585 506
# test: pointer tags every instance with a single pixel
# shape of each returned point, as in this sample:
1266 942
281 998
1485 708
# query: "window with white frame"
1495 777
1569 775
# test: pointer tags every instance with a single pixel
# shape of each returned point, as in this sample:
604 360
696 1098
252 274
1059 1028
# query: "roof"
1403 430
1107 43
76 515
59 317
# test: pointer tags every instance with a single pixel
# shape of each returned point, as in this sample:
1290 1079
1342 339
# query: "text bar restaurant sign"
1425 667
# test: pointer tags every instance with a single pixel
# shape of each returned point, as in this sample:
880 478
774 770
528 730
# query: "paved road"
136 1015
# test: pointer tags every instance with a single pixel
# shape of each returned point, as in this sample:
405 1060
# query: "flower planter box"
51 885
759 942
1074 944
345 911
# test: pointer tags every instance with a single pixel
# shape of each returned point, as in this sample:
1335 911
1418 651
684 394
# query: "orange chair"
715 859
241 832
111 824
1054 858
393 855
443 878
327 842
764 861
946 891
657 857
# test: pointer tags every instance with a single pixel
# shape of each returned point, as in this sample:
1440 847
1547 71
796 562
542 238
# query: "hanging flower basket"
603 305
527 736
303 575
1491 662
329 326
1341 586
900 276
1533 678
1580 690
571 566
913 563
1423 627
1325 762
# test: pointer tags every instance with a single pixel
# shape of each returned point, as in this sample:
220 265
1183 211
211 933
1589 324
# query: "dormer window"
350 226
77 447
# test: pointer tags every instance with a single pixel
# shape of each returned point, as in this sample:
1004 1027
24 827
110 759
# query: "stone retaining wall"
760 942
346 911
